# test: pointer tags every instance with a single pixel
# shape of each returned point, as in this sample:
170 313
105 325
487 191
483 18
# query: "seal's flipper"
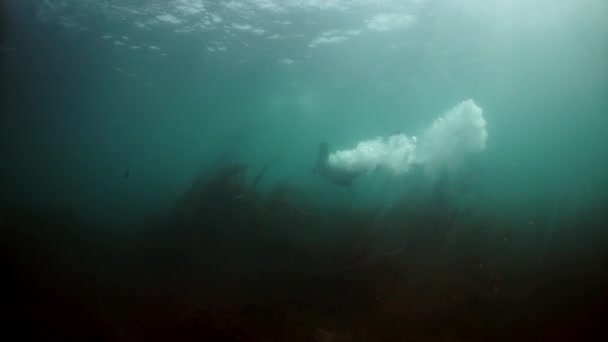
323 156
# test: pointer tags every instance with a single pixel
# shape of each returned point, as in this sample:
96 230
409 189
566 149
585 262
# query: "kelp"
232 261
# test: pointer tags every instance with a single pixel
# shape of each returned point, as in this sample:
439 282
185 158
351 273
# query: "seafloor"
232 263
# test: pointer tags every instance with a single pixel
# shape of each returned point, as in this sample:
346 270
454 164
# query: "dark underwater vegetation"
231 263
304 170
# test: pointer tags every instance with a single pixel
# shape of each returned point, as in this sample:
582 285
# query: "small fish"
127 174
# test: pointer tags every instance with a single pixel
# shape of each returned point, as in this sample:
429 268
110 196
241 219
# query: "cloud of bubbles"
458 132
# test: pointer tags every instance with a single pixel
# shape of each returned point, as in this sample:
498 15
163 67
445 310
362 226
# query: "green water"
82 110
110 109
